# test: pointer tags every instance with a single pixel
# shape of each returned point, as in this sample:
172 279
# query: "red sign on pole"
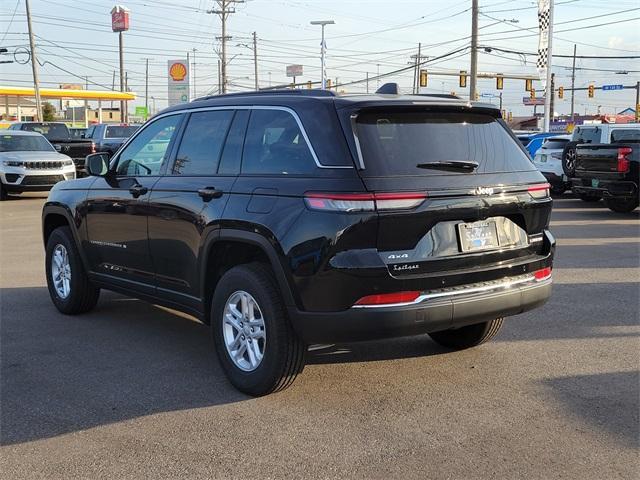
119 19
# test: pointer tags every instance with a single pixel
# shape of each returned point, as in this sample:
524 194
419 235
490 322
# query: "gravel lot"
134 391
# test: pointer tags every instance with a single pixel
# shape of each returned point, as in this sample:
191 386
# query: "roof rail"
315 92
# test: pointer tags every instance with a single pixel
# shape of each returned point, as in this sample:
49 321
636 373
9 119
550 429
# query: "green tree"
48 112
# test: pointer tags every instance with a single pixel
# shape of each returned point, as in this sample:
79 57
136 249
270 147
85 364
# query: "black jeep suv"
284 219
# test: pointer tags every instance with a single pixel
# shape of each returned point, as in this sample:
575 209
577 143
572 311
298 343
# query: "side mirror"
97 164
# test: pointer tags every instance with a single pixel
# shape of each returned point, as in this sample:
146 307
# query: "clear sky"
369 36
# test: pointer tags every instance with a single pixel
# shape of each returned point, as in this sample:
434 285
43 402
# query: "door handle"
137 190
207 193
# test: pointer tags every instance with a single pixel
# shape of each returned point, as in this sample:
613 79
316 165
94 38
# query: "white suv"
548 159
29 163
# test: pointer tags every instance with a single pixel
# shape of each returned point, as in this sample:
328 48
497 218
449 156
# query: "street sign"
612 87
294 70
487 95
141 112
532 101
178 81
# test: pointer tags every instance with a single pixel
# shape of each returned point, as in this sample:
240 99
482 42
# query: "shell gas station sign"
178 81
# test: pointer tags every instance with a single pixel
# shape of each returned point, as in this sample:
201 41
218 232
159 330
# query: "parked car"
548 160
594 134
536 141
611 170
297 217
108 138
28 162
61 138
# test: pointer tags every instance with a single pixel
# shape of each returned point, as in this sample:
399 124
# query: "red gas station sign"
119 19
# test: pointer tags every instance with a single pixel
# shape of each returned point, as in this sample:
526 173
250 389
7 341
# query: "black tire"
569 159
469 336
3 193
621 205
284 352
589 198
83 296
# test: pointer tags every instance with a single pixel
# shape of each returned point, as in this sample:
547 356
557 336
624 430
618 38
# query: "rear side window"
275 145
118 131
202 142
395 144
625 135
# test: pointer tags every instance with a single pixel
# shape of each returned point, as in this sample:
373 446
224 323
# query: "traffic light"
560 92
423 78
463 79
528 85
499 82
510 116
591 91
503 114
532 93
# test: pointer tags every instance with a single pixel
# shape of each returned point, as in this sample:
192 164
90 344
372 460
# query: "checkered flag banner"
543 41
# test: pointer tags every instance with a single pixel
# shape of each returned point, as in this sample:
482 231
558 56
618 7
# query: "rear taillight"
93 147
539 191
623 159
543 274
363 202
389 298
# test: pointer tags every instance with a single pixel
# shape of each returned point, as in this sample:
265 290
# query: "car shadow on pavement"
608 401
126 359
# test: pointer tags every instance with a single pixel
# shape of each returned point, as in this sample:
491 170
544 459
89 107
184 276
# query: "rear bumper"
605 188
433 311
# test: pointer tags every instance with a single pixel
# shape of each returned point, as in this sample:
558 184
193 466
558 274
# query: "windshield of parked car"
24 143
55 131
625 135
119 131
404 142
587 135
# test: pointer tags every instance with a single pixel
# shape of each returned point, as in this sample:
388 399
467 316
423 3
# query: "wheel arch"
230 247
55 216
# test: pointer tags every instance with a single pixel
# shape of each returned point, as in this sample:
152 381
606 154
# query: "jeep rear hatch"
483 202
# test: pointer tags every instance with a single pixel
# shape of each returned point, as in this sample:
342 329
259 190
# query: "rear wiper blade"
465 165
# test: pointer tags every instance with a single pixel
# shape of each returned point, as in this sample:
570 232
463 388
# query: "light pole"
322 23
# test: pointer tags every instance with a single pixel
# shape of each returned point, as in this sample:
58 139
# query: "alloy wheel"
243 330
61 271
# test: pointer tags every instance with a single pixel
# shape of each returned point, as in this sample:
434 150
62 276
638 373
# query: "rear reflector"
363 202
542 274
539 191
623 160
389 298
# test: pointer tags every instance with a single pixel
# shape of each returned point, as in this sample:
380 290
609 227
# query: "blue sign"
612 87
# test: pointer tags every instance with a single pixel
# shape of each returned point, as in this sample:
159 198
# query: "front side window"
146 152
275 145
630 135
202 141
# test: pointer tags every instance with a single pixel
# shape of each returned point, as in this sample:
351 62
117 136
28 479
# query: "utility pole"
146 89
189 97
573 81
34 65
224 10
500 101
474 51
123 104
219 78
323 49
638 101
549 85
194 73
113 86
416 68
552 92
255 60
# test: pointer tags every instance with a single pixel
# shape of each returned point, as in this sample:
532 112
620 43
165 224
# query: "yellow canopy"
64 93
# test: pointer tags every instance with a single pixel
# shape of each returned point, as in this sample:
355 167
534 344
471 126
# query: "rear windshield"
396 143
587 135
55 131
555 144
625 135
117 131
24 143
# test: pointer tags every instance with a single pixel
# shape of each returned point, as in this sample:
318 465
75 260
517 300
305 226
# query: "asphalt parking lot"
134 391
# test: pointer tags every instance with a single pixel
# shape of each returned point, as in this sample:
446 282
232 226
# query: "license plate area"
478 236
